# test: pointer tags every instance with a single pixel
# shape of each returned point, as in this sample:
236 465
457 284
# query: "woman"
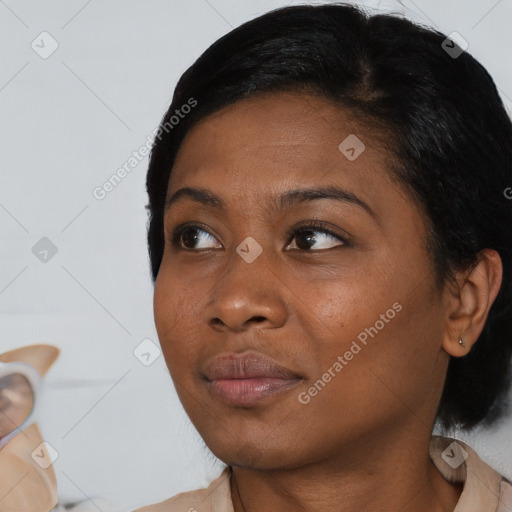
330 244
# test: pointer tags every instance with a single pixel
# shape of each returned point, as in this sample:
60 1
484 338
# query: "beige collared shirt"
485 490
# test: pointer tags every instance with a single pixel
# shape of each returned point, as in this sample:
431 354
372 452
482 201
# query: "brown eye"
186 237
307 237
314 236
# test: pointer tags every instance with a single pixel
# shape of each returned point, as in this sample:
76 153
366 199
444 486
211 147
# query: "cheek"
374 384
387 328
164 306
337 311
175 314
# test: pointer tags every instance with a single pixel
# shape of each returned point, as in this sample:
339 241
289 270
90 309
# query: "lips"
246 366
246 379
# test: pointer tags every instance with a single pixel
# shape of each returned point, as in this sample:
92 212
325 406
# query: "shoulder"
485 490
216 497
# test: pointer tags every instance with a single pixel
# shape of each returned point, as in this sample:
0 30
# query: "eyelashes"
305 233
176 236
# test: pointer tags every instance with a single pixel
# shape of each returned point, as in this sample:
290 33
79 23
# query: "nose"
248 294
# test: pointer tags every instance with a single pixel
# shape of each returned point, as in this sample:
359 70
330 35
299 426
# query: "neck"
390 476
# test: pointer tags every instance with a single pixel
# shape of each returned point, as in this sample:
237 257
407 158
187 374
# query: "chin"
256 454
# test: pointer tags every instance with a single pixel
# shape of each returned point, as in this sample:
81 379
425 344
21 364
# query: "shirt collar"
458 462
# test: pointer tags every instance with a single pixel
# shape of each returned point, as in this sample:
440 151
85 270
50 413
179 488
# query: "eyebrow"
287 199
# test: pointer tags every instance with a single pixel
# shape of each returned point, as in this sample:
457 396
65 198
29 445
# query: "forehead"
252 152
280 137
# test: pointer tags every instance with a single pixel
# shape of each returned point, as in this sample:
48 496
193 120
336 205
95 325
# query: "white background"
69 122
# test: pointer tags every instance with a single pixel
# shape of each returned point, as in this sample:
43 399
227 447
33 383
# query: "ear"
469 300
39 356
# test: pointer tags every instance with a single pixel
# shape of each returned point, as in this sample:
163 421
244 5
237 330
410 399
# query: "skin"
362 442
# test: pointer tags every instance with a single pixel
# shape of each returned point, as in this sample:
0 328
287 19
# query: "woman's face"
353 316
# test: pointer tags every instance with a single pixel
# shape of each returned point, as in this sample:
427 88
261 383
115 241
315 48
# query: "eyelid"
173 236
324 227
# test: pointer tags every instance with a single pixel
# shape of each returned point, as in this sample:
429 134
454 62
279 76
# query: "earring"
461 342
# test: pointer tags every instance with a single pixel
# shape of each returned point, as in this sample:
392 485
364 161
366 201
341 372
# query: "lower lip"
246 392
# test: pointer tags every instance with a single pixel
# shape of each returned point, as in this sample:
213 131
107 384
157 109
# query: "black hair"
450 135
